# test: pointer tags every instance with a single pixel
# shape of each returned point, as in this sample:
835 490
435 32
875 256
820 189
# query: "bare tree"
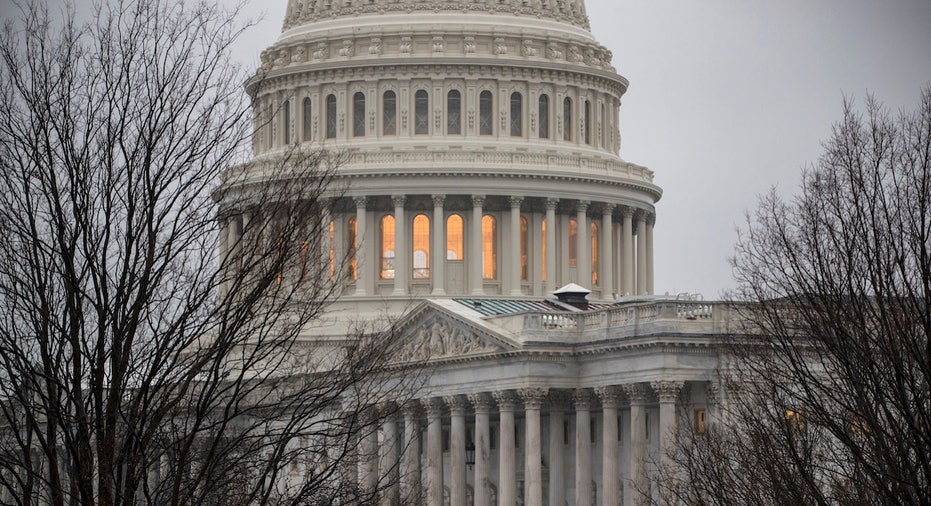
828 401
144 356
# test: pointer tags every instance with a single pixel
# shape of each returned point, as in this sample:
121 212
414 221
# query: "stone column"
551 231
507 469
400 246
628 238
583 263
610 400
515 245
362 275
457 441
434 408
651 220
639 487
388 468
606 259
368 458
668 393
438 256
483 405
533 451
410 477
475 246
583 448
641 253
557 407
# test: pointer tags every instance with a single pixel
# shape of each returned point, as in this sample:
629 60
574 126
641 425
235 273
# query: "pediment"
432 333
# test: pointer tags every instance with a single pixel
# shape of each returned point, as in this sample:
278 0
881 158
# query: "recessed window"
387 247
489 247
573 242
524 246
331 116
331 228
454 234
701 421
485 121
594 231
517 113
421 250
390 113
454 113
588 122
306 120
592 430
358 114
565 432
421 112
544 114
567 119
351 244
286 122
543 250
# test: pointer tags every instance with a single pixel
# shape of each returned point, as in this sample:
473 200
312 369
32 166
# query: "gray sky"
731 97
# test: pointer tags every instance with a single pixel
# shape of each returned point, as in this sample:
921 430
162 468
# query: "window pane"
454 113
421 247
387 247
524 233
594 228
567 119
485 123
489 248
421 112
331 117
454 237
358 114
543 251
286 122
544 114
517 112
307 120
351 244
389 120
573 241
588 122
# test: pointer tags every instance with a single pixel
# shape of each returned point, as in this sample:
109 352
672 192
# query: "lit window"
489 248
701 421
454 237
307 120
604 131
573 241
390 113
358 114
387 247
594 230
421 112
351 245
567 119
543 250
421 252
485 121
517 113
588 122
332 233
331 116
795 419
524 233
454 113
286 122
544 114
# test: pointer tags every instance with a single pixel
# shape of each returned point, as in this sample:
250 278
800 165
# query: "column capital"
506 400
458 404
433 406
438 200
559 400
532 397
610 395
551 204
360 201
713 393
582 398
667 391
582 206
637 393
626 211
650 218
412 409
478 200
399 200
607 209
515 201
483 402
387 409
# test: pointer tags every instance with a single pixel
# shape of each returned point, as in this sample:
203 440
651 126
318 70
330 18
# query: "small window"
454 234
544 114
524 246
493 437
332 233
517 113
358 114
485 121
286 122
567 119
351 245
307 120
454 113
421 250
594 231
593 430
701 423
387 247
646 421
795 419
331 116
489 247
573 242
565 432
620 433
421 112
543 250
588 122
390 113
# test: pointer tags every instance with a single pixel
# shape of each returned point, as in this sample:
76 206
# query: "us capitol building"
489 209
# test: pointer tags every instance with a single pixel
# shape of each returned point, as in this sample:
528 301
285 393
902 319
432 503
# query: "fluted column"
434 409
457 440
388 461
368 459
651 220
668 393
475 246
606 259
551 231
610 401
583 248
533 451
515 245
641 253
558 402
362 275
410 477
507 469
483 405
438 256
400 246
628 245
640 487
583 448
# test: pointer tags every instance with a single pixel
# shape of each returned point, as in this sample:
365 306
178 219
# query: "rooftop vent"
573 294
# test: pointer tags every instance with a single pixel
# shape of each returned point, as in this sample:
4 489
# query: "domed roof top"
301 12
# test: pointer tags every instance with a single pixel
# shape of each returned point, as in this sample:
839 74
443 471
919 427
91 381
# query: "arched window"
573 241
421 250
567 119
489 247
358 114
524 250
517 114
421 112
331 116
307 121
286 122
594 231
454 113
543 250
351 245
389 119
588 122
485 121
544 114
454 237
387 247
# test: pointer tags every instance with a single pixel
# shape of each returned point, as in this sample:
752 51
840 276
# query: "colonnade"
426 478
